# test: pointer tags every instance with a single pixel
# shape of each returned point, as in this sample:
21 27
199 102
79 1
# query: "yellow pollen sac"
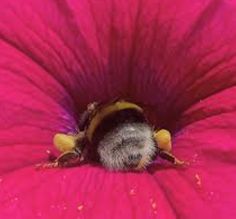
163 139
64 142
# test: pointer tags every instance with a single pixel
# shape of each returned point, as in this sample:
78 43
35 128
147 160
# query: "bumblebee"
117 135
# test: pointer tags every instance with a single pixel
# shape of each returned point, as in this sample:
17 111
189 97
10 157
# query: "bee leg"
170 157
70 158
50 165
162 138
67 159
71 146
85 117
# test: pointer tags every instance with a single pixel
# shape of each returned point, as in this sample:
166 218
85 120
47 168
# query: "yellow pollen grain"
198 179
80 207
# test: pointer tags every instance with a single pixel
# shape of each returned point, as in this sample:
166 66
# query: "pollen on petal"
132 192
195 156
153 205
198 179
80 207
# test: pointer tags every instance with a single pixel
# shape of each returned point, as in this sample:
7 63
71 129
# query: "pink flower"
175 57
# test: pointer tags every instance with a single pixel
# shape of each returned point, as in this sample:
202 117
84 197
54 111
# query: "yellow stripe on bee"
106 111
163 139
64 142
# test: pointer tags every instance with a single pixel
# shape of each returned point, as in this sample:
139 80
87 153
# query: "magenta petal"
33 107
84 192
48 35
192 57
208 144
101 50
178 59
